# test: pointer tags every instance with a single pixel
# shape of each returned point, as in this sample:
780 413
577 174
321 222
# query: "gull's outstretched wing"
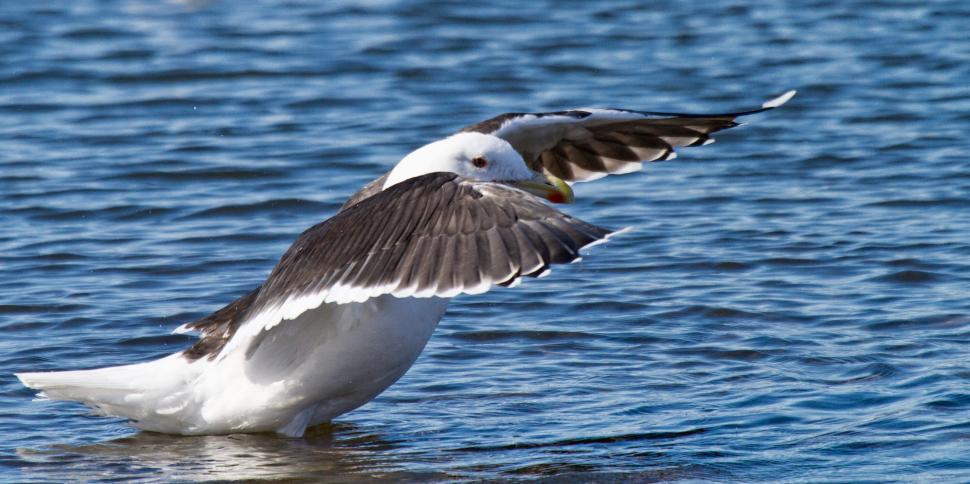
434 235
586 144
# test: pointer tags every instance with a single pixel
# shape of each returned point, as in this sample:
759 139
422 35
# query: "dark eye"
480 162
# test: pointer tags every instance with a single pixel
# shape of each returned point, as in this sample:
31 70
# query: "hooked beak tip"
549 187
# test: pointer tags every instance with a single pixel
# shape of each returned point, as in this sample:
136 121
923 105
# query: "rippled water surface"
792 303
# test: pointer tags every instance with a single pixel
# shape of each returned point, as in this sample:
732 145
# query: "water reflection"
339 452
347 453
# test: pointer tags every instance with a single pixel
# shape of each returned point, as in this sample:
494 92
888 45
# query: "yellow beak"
549 187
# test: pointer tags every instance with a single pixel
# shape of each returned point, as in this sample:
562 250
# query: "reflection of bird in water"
353 301
343 453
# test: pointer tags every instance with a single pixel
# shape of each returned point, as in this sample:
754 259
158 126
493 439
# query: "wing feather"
434 235
586 144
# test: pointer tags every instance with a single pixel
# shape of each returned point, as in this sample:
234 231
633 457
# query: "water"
792 304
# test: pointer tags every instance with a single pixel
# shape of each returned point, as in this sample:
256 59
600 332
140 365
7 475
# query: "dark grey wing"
586 144
218 327
433 235
367 191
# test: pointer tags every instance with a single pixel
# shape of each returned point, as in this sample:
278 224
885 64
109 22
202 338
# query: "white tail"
147 393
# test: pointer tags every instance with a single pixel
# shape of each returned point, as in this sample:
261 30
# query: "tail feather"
140 392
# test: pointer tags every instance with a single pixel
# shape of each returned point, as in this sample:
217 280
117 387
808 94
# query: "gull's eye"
479 162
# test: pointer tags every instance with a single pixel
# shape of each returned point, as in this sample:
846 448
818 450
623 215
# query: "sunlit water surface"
792 303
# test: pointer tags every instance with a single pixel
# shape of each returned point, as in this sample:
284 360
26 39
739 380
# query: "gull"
351 304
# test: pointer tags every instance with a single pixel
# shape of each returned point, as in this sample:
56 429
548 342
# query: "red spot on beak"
556 197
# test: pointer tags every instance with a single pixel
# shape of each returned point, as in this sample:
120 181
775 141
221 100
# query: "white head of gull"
471 155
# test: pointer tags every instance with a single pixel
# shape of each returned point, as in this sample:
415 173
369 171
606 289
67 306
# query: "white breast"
306 371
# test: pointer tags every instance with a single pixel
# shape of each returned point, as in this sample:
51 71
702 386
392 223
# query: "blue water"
793 303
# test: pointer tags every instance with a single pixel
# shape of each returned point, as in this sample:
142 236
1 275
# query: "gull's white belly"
326 362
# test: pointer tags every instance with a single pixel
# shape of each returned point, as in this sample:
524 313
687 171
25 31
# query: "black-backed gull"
354 300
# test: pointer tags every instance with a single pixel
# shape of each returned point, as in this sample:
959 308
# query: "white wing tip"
629 167
607 238
618 232
183 329
778 101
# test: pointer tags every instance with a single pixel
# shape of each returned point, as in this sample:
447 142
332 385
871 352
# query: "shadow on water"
340 452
